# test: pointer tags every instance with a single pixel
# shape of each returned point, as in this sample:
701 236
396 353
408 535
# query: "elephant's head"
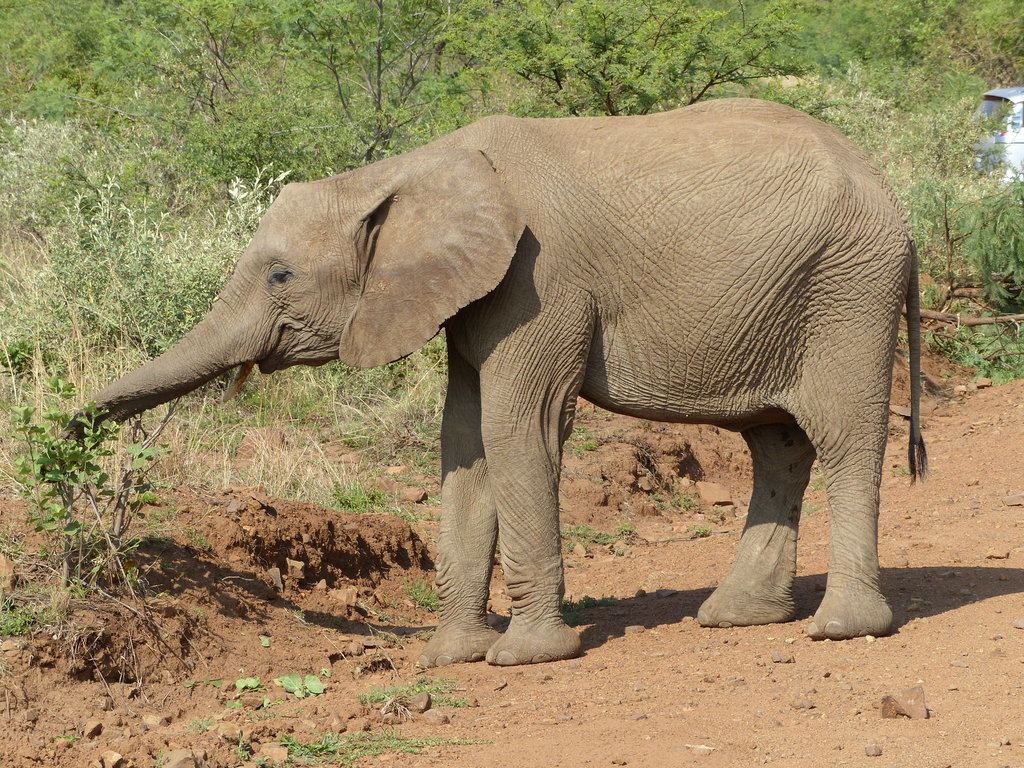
365 266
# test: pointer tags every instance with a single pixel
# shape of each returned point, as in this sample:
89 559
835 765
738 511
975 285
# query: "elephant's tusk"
236 383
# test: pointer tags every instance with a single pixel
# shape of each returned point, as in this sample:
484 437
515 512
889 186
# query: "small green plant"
582 441
584 534
571 609
346 749
72 737
300 686
356 497
249 684
700 531
424 595
20 619
65 475
625 530
200 726
437 687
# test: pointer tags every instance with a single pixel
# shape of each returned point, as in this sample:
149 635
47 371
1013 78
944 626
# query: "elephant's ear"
442 236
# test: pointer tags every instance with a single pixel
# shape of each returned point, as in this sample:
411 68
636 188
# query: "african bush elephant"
735 263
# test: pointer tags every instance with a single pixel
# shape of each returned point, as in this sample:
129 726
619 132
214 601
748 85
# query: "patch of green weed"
584 534
700 531
346 749
437 687
424 595
571 609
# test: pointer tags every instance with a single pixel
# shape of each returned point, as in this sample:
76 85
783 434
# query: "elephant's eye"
280 276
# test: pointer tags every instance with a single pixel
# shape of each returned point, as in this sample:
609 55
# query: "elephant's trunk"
221 341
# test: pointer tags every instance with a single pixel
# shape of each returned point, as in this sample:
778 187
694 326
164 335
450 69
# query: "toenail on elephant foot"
729 608
457 647
534 647
851 612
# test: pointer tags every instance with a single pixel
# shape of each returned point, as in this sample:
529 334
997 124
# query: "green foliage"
572 609
995 351
992 231
424 595
437 687
21 618
249 684
609 57
700 531
584 534
73 498
357 497
347 749
300 686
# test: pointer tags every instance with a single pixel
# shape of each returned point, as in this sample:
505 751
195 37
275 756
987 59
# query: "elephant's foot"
732 607
534 645
457 645
852 610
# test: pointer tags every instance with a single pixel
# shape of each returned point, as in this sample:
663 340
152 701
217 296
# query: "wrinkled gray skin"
733 263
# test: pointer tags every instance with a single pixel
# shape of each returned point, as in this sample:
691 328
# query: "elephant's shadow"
912 593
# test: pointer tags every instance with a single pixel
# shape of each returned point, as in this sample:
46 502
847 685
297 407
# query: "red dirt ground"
652 687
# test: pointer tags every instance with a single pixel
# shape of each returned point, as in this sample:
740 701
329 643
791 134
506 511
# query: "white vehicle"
1006 144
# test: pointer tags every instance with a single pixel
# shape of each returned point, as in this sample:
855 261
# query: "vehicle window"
1016 119
992 105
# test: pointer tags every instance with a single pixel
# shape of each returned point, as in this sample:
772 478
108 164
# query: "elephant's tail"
916 451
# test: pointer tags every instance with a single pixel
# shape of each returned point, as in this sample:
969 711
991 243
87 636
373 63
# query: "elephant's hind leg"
469 528
759 586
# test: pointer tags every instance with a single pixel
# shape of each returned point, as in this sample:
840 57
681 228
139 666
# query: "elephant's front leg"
469 527
523 435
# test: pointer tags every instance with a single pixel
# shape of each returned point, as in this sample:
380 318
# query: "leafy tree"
619 57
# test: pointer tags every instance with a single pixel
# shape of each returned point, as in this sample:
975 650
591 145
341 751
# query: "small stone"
274 753
1018 624
150 722
502 685
959 389
398 469
251 701
579 550
983 383
413 495
358 725
870 638
715 494
873 750
1017 500
803 704
6 575
274 577
355 648
229 732
436 717
321 586
92 729
111 759
296 569
780 658
958 663
421 702
997 554
181 758
699 749
906 703
901 562
345 597
634 629
31 715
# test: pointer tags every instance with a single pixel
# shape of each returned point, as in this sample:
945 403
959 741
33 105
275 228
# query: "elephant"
735 262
